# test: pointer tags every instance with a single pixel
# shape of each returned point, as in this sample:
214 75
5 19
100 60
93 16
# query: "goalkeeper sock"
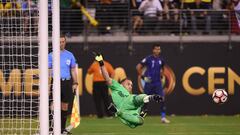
63 119
144 110
146 99
156 98
112 108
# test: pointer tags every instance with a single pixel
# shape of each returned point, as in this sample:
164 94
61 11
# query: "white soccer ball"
219 96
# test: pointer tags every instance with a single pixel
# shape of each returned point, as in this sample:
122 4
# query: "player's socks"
146 99
144 110
163 114
112 108
156 98
63 119
143 113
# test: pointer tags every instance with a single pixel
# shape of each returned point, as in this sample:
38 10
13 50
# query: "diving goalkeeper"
126 106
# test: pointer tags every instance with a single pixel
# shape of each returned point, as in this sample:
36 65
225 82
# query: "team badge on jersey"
68 62
160 62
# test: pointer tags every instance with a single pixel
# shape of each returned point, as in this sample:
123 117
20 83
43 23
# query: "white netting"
19 95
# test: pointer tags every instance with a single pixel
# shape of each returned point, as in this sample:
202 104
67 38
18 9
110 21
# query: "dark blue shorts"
153 88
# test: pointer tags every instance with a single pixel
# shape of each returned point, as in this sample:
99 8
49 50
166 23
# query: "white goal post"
24 77
43 63
56 66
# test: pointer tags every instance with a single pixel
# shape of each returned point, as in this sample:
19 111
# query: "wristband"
101 63
75 83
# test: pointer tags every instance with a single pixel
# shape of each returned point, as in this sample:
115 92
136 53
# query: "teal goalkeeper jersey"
123 100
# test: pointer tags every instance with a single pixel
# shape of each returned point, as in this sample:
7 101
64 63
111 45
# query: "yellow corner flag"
92 20
75 117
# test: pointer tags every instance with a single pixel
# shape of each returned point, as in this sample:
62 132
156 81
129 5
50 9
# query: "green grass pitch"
180 125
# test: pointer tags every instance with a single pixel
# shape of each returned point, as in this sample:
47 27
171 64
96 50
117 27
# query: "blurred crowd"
193 16
18 16
145 16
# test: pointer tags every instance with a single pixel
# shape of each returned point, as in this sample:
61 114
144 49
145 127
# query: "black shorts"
66 91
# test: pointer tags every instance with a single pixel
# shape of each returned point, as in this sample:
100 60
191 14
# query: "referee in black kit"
69 80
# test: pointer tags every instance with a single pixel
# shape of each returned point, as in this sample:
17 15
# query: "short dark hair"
62 36
155 45
124 79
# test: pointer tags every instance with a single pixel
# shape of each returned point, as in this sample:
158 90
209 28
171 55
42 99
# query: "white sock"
146 99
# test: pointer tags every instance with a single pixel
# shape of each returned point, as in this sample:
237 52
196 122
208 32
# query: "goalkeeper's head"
62 42
127 84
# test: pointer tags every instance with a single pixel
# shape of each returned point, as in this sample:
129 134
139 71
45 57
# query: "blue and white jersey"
67 61
153 67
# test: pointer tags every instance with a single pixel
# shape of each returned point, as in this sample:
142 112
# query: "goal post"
43 67
56 66
24 76
19 69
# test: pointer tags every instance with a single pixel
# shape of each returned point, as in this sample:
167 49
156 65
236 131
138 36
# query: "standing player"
69 80
154 67
126 106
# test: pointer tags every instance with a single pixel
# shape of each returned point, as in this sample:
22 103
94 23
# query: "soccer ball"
219 96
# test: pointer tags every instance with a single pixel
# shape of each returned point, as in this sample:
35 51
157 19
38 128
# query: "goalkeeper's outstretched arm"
106 76
99 59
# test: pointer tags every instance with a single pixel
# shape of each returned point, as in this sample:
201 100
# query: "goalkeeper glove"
146 79
98 58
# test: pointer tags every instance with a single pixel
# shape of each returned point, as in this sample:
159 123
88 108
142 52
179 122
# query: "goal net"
19 63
